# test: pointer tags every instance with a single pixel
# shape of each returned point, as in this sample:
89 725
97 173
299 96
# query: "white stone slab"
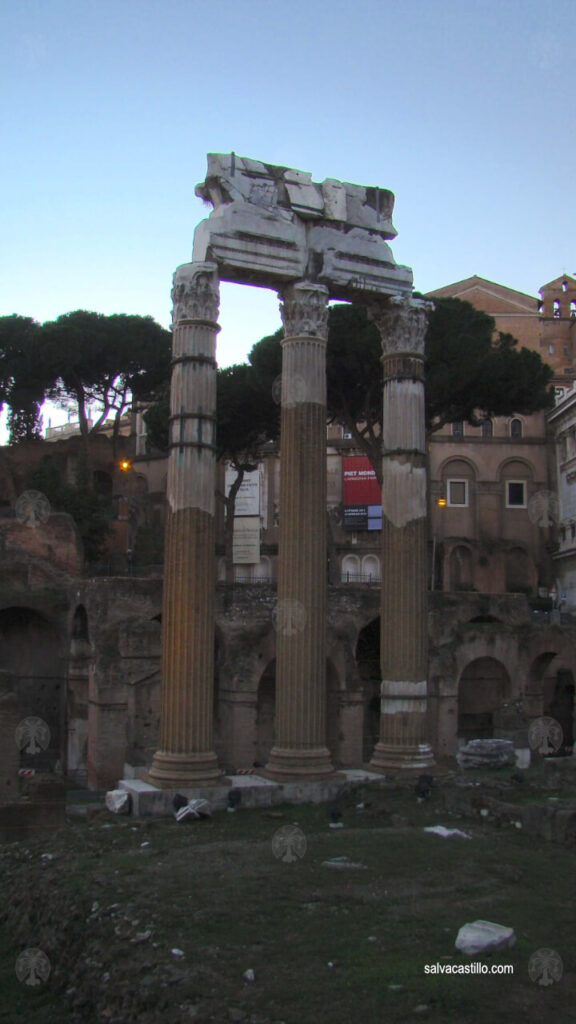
484 937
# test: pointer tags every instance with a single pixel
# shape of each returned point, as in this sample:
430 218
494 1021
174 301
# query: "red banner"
360 486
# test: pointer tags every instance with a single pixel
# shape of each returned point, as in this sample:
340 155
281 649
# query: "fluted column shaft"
404 597
185 755
300 743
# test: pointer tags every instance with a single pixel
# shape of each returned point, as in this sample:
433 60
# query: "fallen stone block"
447 833
486 754
118 801
484 937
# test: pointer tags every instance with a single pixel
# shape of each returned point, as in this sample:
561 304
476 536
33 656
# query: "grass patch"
327 946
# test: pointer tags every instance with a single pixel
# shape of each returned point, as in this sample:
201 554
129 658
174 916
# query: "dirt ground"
275 916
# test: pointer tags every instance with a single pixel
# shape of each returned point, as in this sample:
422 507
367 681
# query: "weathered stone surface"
486 754
484 937
403 739
118 801
272 225
300 749
53 541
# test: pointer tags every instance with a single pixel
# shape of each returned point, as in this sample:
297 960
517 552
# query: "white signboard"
248 496
246 540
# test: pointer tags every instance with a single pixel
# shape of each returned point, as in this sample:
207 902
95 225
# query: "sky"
463 109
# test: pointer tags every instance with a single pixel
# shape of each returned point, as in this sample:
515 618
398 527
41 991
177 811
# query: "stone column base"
184 770
403 727
388 757
287 764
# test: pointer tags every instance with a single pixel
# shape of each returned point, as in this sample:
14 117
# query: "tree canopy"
471 372
104 362
23 379
89 362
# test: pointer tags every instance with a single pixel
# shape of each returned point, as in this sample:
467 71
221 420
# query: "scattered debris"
118 801
195 808
484 937
343 862
177 952
249 975
447 833
336 824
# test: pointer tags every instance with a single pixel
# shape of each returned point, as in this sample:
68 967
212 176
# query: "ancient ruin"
276 228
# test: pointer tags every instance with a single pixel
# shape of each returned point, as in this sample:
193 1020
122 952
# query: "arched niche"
483 688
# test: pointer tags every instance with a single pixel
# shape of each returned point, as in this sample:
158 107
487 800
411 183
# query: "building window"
557 309
458 428
516 428
551 348
457 493
515 494
487 428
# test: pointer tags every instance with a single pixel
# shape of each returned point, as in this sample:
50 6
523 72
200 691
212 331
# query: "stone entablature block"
271 225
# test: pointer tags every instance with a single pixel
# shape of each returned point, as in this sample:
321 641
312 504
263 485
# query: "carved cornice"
402 324
304 310
196 293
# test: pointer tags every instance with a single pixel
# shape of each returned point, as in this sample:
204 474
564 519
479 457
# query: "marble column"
300 750
403 739
185 756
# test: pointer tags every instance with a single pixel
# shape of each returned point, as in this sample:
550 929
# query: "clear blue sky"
463 109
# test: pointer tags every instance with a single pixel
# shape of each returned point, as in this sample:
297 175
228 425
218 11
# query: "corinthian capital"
304 310
402 324
195 292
